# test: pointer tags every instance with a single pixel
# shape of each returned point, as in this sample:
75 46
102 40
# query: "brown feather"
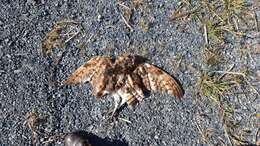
94 71
128 77
157 80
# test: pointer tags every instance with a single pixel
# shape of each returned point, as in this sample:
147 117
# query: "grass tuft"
144 25
213 88
61 33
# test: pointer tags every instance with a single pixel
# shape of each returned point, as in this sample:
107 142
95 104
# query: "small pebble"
99 18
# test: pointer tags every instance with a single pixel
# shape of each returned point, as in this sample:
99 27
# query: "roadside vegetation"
219 20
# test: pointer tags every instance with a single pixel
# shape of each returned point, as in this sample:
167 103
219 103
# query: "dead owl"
127 78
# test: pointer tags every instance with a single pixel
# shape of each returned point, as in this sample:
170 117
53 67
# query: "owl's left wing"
154 79
95 72
90 70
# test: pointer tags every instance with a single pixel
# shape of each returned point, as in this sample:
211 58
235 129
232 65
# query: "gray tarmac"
30 80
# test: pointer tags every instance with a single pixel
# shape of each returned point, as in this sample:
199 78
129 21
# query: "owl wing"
154 79
92 71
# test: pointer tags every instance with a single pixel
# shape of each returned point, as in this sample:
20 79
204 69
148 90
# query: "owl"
128 78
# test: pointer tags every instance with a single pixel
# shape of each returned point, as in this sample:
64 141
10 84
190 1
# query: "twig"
32 121
125 21
127 24
205 34
83 44
235 23
199 129
238 140
177 66
72 37
232 32
256 22
227 136
252 87
222 141
186 2
212 11
256 136
125 120
66 22
229 72
124 6
185 14
91 36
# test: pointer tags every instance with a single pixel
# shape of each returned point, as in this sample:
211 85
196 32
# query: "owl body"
126 78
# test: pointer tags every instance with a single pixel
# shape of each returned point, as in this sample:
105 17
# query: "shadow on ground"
94 140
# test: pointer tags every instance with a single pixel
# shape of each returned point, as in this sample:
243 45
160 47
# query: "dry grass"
138 3
33 120
61 33
205 134
217 86
221 17
144 25
233 130
126 15
212 57
214 88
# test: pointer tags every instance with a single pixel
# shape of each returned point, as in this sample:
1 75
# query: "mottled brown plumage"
126 78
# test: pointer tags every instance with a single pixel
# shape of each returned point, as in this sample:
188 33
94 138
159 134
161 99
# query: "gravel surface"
30 80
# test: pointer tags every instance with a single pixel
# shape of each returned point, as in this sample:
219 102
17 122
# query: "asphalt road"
30 80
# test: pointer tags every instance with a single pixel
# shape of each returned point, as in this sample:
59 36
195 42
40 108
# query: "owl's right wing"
154 79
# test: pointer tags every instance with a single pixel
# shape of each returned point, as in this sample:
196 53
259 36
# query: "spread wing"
154 79
94 71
